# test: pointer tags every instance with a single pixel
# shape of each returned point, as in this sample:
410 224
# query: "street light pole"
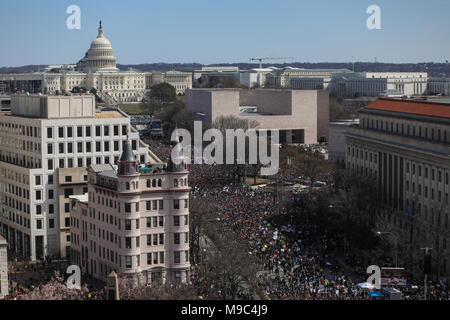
426 270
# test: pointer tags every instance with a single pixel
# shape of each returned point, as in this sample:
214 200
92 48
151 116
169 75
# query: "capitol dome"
100 56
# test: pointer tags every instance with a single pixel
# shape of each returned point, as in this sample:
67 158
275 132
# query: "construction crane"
269 58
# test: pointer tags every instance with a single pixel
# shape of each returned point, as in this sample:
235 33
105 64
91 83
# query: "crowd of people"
297 262
292 269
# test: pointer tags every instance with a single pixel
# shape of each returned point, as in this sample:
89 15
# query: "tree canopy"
162 93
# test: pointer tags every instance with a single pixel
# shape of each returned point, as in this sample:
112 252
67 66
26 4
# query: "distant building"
374 83
133 220
404 145
336 139
181 81
4 282
303 79
5 103
438 86
254 77
98 70
301 116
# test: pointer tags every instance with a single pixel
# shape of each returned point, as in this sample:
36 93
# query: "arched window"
159 182
175 183
153 183
127 186
148 183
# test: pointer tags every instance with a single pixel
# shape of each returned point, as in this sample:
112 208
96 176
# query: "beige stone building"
133 220
404 144
301 116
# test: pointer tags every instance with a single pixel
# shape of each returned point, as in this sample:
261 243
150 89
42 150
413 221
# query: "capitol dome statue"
100 56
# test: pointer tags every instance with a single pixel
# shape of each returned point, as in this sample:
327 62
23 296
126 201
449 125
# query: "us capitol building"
96 70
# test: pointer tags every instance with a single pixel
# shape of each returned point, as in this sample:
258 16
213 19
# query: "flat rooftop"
99 115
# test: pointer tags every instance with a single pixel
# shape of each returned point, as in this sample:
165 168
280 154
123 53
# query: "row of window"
432 134
85 131
68 147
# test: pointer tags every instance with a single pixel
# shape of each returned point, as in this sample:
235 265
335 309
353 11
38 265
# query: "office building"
133 220
46 144
301 116
404 144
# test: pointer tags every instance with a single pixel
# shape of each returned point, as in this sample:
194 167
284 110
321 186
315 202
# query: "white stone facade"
96 70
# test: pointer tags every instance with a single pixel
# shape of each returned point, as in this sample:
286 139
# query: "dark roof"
127 152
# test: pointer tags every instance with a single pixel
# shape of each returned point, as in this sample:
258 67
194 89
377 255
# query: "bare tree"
223 123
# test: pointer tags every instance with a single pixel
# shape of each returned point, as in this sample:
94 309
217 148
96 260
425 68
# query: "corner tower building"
134 220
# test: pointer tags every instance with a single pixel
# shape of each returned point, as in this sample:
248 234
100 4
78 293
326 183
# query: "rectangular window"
176 204
128 242
149 258
176 221
176 257
128 262
79 132
127 224
49 132
69 132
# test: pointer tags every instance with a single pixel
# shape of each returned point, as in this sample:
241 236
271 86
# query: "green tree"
162 93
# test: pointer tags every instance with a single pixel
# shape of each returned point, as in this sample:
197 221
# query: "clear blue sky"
215 31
